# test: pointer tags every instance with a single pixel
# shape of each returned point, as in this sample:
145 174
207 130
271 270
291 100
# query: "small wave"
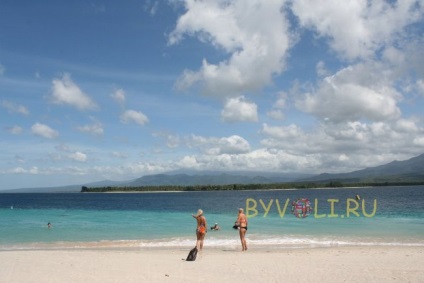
286 242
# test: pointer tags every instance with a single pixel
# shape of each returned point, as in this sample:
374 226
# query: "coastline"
247 190
133 192
242 190
257 243
333 264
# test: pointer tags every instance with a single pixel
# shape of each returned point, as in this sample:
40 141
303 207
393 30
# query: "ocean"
383 216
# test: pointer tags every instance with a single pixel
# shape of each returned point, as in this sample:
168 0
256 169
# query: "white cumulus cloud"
94 129
253 33
134 116
119 96
357 29
14 108
239 110
216 146
78 156
419 141
420 87
65 91
353 93
44 131
276 112
280 132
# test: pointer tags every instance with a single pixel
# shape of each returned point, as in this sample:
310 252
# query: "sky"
116 90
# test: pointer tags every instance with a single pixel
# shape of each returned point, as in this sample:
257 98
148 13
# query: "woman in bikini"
201 228
242 223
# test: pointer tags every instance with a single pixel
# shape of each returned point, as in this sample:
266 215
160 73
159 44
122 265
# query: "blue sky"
94 90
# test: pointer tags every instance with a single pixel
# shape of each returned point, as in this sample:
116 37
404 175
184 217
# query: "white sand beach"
335 264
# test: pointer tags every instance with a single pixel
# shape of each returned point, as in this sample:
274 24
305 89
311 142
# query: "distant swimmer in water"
358 197
49 225
215 227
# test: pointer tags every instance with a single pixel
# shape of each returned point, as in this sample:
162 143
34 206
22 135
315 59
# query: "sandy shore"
336 264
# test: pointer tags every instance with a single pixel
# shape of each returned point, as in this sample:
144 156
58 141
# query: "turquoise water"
164 219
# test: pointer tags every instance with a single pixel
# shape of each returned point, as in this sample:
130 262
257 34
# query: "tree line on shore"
241 187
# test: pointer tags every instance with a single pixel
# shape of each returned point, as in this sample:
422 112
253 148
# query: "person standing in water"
201 229
241 222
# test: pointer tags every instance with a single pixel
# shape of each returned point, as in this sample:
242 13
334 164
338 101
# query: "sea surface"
384 216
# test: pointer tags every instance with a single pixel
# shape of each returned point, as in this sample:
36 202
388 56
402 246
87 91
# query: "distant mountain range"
214 178
411 170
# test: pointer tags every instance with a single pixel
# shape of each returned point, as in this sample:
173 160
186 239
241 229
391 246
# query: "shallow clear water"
164 219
